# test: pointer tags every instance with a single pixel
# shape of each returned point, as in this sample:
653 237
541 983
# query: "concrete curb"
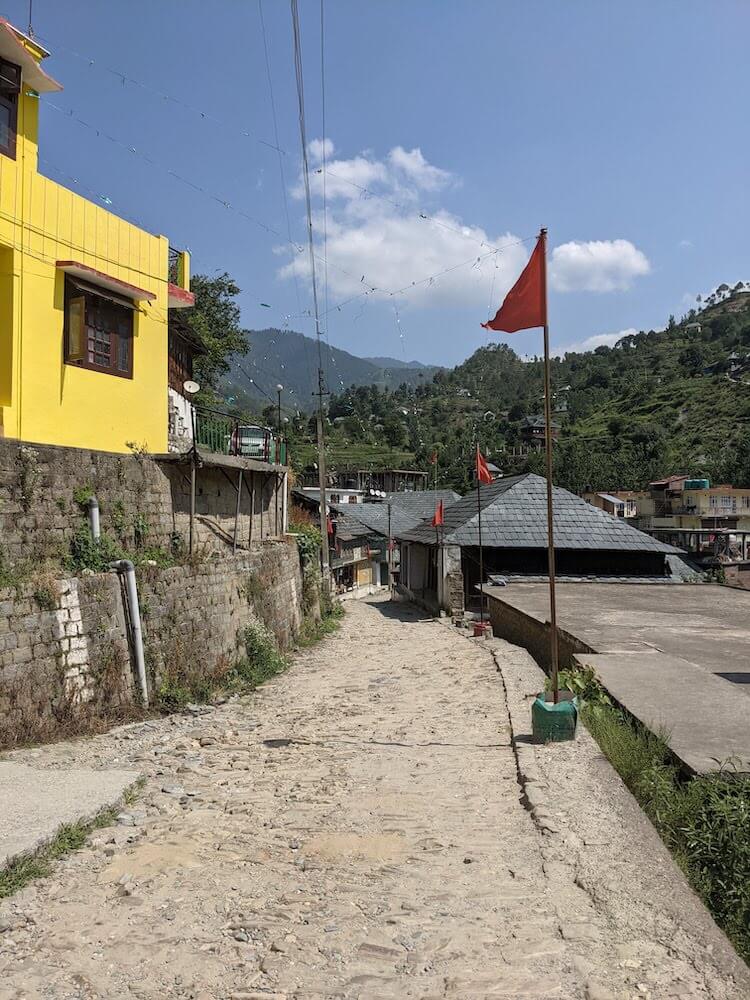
566 837
36 802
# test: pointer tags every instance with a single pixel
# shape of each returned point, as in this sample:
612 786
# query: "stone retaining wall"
64 649
142 500
523 630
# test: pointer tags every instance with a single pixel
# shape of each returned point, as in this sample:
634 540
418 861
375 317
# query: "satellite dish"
190 387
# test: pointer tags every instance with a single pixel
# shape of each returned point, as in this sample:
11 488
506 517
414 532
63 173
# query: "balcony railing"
224 434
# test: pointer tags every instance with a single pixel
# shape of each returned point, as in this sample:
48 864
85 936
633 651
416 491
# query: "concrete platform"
705 722
678 658
35 803
707 625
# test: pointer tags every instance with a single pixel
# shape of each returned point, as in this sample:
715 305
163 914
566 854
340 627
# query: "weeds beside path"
704 821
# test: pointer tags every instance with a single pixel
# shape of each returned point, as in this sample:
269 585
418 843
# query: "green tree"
692 359
215 319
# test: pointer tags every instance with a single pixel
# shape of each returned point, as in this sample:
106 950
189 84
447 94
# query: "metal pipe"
96 532
285 504
192 505
553 638
127 569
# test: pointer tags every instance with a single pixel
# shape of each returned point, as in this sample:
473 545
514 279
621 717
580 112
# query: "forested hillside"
291 359
676 399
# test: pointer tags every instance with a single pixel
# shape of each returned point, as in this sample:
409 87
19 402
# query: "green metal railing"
224 434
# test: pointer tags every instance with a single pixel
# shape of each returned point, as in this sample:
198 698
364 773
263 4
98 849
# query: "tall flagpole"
481 557
554 653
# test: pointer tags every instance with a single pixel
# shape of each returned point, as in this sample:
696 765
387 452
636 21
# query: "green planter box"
554 723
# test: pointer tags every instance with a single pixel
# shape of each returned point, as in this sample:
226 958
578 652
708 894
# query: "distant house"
697 515
442 571
533 431
618 503
380 522
387 480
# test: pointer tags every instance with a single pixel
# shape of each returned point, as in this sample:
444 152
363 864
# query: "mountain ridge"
290 358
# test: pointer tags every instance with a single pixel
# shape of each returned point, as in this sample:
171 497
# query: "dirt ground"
360 828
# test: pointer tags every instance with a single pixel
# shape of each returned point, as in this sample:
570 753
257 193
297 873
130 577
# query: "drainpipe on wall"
127 570
96 532
285 504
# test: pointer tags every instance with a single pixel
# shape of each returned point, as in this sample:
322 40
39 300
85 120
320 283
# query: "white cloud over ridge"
381 239
597 340
597 266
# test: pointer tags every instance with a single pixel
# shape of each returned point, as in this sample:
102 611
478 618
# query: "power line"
306 176
282 176
325 204
206 116
124 78
212 196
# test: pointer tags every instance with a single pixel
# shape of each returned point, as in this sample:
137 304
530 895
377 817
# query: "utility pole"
280 480
325 565
311 249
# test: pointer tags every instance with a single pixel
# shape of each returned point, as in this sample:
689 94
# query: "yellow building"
84 295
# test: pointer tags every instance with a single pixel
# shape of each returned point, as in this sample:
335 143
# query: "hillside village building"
93 354
84 295
441 569
690 513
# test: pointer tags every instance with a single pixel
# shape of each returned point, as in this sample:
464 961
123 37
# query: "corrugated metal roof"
514 515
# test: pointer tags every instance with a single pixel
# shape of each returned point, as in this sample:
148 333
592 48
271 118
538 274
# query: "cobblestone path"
353 830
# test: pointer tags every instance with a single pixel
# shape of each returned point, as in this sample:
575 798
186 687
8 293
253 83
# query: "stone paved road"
384 853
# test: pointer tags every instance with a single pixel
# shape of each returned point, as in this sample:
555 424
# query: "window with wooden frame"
10 87
98 329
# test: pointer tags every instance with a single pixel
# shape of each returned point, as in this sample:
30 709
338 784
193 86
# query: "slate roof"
422 503
407 510
514 516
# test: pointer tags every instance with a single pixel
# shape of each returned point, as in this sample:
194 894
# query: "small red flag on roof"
483 472
525 305
439 517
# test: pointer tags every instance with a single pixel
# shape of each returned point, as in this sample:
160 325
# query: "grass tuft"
69 838
705 821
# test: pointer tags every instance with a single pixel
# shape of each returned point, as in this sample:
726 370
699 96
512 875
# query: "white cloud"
597 266
413 164
380 239
597 340
686 244
318 147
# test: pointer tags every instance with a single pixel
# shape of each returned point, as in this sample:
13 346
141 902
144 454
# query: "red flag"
525 304
433 458
329 525
483 473
439 517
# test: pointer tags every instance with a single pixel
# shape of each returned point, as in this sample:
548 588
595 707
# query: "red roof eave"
112 284
180 298
12 48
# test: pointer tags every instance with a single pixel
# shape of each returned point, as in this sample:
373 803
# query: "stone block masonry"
66 661
142 501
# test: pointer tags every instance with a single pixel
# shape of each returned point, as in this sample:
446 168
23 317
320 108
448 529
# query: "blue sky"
619 126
